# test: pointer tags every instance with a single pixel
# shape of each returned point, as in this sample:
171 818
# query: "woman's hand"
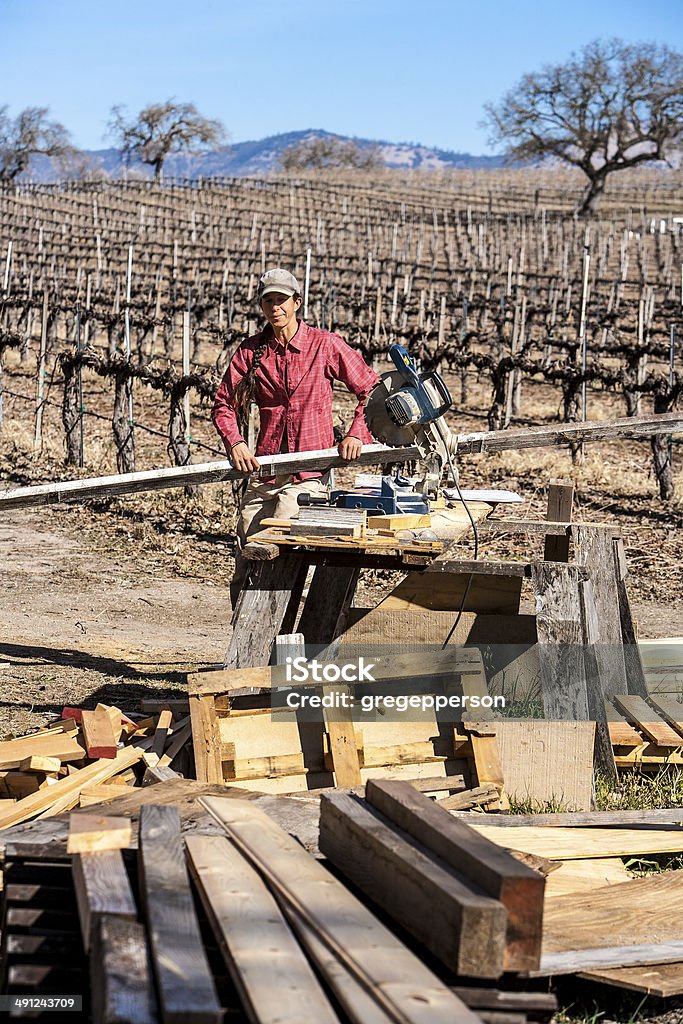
243 458
350 448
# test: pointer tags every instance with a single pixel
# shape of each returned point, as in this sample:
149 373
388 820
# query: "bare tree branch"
161 129
612 106
31 132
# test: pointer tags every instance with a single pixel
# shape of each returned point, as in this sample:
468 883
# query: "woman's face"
279 310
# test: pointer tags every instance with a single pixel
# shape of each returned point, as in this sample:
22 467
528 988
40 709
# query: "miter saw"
408 408
405 409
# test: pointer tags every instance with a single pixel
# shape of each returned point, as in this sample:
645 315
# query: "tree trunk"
121 425
594 191
71 413
662 451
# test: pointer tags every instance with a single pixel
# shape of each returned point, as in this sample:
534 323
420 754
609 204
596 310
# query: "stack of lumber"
244 924
84 758
598 921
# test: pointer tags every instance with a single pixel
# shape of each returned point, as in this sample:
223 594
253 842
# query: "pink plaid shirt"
294 392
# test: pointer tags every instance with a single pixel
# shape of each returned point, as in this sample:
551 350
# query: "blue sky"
404 72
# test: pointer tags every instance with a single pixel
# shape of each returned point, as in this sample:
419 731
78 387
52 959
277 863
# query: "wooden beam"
601 819
184 981
388 972
560 501
467 934
93 832
121 984
102 887
493 869
555 435
54 744
273 978
206 739
98 733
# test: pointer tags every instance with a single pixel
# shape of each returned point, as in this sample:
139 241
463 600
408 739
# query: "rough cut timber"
400 875
184 981
59 745
482 862
98 733
121 984
275 982
102 887
90 832
388 972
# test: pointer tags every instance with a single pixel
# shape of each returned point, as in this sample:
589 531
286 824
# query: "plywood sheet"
585 876
547 761
656 980
618 915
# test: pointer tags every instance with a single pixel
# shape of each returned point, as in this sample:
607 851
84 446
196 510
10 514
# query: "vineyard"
122 302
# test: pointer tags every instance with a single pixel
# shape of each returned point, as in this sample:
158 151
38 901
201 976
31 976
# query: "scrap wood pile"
414 916
87 757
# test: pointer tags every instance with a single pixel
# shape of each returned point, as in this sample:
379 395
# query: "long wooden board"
654 979
57 744
398 874
184 981
273 978
372 455
102 887
121 984
571 843
396 979
492 869
648 721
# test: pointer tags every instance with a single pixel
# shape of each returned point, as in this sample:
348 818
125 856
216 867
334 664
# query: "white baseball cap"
278 280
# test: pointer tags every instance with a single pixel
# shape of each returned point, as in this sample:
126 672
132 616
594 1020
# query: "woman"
287 369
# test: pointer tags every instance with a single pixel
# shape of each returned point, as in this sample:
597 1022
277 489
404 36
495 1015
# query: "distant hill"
261 156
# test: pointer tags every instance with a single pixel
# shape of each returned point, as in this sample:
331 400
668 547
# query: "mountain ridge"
257 157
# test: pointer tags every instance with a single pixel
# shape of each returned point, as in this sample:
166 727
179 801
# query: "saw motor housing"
408 408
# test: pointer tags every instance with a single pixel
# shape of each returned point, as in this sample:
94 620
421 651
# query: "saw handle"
404 364
305 500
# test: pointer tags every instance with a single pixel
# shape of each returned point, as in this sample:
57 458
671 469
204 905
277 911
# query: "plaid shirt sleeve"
350 368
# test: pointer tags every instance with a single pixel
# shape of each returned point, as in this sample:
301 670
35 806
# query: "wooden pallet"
646 733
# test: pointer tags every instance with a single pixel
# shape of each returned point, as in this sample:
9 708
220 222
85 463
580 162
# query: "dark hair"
245 390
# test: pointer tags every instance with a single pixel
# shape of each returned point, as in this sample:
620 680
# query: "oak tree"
329 151
612 106
30 132
161 129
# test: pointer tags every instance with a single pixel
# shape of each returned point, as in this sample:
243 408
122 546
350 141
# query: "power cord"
454 477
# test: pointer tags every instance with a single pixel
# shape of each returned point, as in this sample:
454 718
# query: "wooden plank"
547 762
261 609
97 794
479 796
181 735
392 667
581 960
161 732
359 1006
602 819
102 887
560 501
98 733
635 677
206 739
671 711
184 981
91 832
492 869
54 744
121 984
395 978
39 763
560 635
660 980
271 974
65 791
585 876
468 934
569 843
603 665
621 734
371 455
442 590
535 1003
411 628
